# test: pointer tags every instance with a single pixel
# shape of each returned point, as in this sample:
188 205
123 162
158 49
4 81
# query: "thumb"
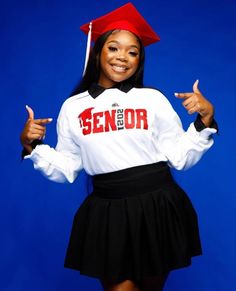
195 87
30 112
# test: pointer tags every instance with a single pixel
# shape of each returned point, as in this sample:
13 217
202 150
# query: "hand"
196 102
33 129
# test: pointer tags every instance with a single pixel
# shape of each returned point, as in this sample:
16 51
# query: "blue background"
42 55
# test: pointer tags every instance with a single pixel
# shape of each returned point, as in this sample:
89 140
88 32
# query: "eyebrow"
117 42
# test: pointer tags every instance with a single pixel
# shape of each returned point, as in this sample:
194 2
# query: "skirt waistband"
132 181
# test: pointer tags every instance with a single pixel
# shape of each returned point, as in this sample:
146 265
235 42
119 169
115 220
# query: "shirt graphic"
112 120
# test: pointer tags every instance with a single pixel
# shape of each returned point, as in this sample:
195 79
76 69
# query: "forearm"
185 149
56 166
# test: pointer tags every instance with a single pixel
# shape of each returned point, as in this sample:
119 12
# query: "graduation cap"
125 17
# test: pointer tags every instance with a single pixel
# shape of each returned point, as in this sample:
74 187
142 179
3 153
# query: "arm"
183 149
63 163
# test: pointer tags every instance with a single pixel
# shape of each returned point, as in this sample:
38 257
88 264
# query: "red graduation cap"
125 17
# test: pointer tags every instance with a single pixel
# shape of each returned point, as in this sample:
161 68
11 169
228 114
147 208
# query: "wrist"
28 148
207 120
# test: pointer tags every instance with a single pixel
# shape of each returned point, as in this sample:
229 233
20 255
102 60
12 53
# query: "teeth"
119 68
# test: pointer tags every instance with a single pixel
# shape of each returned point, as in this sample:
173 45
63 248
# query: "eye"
133 54
112 48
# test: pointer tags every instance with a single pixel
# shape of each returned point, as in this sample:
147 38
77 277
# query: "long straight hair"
92 72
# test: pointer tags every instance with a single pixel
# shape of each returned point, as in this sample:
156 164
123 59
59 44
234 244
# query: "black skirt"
137 222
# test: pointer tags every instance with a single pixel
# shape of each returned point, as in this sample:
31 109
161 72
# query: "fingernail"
176 94
50 119
26 106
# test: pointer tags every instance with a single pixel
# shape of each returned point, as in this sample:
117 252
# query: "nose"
121 57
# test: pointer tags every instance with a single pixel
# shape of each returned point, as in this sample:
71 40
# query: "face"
119 58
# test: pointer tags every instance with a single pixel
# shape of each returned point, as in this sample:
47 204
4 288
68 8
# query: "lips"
119 69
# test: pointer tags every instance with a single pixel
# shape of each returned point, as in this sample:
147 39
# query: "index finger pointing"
183 95
43 121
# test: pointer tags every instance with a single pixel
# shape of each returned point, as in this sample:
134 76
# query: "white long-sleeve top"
118 130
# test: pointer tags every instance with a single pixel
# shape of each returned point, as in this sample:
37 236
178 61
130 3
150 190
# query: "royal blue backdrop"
42 55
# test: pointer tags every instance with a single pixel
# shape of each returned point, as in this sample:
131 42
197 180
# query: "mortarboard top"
125 17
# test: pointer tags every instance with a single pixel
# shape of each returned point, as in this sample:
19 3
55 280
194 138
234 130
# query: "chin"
119 80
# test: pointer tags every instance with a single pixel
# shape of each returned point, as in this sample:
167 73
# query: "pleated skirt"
136 223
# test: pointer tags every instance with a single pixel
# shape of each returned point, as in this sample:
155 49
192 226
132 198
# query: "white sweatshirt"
118 130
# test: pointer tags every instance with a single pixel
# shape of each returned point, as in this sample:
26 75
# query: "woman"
137 225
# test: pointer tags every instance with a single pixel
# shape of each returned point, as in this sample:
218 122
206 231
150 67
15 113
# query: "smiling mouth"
119 69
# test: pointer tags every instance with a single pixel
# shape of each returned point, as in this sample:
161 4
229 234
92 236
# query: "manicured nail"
176 94
50 119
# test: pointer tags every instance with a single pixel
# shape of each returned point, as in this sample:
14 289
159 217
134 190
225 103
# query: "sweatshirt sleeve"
63 163
182 149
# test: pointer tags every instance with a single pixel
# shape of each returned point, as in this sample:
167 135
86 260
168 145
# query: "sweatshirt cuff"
199 125
24 152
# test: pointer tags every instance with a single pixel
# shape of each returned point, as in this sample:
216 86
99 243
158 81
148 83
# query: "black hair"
93 67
